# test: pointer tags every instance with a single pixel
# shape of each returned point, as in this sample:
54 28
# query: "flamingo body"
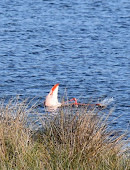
52 98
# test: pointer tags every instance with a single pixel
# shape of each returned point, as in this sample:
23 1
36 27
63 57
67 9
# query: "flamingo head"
74 99
52 98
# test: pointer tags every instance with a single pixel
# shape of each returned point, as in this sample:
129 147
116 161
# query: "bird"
52 98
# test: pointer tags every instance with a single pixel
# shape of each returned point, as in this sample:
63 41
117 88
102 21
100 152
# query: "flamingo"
52 100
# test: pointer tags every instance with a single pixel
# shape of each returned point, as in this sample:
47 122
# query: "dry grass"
72 139
17 150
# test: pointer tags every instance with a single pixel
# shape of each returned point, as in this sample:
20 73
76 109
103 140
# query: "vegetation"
72 139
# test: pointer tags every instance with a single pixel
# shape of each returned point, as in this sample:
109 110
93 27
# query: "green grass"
79 139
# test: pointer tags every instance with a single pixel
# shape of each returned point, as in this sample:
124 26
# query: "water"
84 46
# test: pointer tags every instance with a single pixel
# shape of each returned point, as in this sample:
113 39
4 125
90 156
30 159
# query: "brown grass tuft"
72 139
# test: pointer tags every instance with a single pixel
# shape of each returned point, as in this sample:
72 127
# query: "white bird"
52 98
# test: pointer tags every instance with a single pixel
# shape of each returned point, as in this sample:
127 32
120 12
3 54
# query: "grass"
72 139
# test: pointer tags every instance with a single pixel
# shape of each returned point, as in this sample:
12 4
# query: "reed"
71 139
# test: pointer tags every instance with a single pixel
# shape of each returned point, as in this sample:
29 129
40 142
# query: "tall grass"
72 139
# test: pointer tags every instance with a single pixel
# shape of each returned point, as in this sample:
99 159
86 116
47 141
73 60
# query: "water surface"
84 46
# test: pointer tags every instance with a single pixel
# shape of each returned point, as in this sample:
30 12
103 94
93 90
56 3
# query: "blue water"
83 45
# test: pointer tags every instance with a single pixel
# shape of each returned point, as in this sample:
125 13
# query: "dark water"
83 45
